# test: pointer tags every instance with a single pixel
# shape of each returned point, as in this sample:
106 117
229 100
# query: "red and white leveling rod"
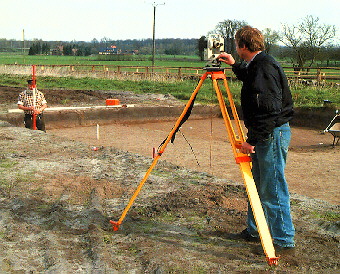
34 86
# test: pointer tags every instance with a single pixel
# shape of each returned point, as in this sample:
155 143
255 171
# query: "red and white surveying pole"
34 90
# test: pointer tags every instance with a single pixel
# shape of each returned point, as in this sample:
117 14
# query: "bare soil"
58 193
313 167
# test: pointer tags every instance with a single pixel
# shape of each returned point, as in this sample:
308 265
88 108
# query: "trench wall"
317 118
92 116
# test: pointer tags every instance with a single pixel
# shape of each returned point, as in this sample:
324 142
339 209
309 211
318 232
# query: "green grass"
6 163
327 216
163 61
315 96
180 89
304 96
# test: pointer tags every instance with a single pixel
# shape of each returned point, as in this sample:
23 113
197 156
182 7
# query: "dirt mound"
57 197
75 98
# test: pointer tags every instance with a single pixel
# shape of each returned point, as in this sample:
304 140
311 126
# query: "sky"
84 20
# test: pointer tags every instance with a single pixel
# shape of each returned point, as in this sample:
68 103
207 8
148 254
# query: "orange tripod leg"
115 225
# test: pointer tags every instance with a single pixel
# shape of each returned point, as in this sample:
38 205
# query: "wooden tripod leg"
236 137
256 206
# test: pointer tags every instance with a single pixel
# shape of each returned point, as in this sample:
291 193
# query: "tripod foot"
115 225
273 260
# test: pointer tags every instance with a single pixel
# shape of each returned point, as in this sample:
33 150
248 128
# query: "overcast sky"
83 20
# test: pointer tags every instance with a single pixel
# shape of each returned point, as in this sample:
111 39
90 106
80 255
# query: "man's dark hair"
251 38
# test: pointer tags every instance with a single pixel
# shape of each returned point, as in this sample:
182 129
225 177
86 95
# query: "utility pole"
153 33
23 42
23 45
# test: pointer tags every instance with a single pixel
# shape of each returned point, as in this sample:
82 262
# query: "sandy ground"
313 166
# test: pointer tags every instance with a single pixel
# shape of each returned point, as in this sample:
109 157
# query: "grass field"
186 61
304 96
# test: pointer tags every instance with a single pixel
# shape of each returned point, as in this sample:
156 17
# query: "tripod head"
215 63
210 69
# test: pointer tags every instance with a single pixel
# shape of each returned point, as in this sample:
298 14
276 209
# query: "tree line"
169 46
302 44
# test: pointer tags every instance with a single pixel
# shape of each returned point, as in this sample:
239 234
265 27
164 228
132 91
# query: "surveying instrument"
213 70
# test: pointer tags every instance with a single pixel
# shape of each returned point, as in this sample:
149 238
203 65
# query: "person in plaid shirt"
27 104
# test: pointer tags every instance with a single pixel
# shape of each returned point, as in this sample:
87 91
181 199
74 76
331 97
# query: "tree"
270 38
228 29
45 48
172 51
105 42
201 45
307 38
35 49
67 50
94 41
31 51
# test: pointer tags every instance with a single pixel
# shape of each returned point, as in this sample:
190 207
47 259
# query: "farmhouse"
109 50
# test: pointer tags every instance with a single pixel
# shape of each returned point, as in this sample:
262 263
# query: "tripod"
236 137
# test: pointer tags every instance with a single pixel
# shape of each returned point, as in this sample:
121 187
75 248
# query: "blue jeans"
269 161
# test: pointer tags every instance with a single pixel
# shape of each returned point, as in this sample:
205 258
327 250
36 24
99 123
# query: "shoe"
245 235
279 250
284 250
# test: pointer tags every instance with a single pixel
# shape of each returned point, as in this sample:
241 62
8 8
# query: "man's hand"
37 111
40 110
226 58
247 148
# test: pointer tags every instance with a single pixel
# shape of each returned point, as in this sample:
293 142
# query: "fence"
321 74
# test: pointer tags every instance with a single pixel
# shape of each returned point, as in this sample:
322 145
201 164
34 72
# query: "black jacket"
266 99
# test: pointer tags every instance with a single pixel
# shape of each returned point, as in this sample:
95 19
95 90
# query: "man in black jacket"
267 108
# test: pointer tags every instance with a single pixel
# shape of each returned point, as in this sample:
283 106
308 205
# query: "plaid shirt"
26 99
